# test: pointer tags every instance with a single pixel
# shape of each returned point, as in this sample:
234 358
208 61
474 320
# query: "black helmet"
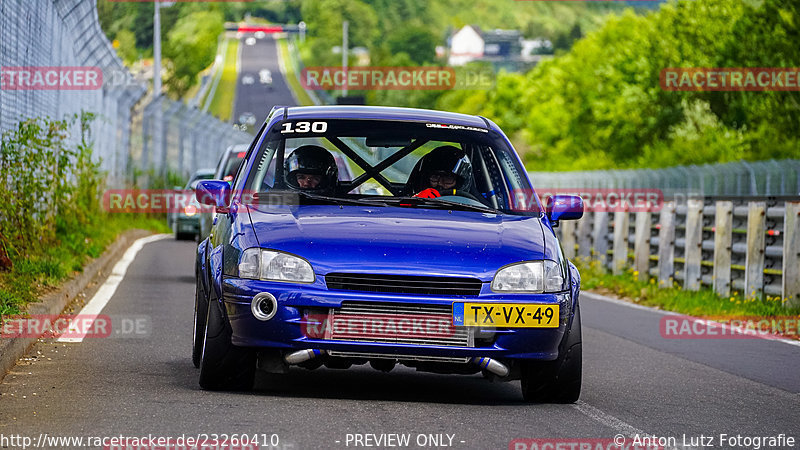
312 160
447 159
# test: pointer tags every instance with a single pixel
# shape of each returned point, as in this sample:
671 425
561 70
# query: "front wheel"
222 364
557 381
200 313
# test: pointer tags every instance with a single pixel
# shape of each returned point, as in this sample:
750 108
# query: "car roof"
384 113
200 172
237 148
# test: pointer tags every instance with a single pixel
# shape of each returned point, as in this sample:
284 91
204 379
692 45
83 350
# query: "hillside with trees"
600 105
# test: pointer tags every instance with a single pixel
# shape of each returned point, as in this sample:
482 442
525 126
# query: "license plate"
507 315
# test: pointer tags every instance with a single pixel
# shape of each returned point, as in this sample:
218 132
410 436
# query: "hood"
403 241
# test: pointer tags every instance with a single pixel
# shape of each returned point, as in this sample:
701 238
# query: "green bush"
50 215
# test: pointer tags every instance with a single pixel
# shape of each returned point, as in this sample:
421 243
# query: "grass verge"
222 103
702 303
45 266
291 77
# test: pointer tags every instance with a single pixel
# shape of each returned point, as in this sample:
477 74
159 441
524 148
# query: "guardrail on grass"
745 244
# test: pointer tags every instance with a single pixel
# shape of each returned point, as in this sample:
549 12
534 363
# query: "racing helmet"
312 160
446 159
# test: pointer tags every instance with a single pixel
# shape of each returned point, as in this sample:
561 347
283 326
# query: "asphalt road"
257 98
634 383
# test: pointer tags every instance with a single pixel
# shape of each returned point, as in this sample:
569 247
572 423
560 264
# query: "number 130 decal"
304 127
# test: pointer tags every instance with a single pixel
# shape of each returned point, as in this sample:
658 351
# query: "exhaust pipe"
301 356
492 365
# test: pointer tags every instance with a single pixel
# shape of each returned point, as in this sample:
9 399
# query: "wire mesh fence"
57 62
736 178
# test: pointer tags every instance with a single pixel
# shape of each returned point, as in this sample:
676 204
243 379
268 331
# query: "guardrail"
745 244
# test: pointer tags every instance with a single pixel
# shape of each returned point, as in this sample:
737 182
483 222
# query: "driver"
444 171
311 168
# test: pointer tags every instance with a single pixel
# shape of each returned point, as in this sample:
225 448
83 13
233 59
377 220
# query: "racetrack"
256 98
634 382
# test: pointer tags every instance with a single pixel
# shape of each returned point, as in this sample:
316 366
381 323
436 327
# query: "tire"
224 366
557 381
200 314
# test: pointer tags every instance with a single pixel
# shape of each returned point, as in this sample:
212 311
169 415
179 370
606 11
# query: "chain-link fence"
735 178
171 136
52 50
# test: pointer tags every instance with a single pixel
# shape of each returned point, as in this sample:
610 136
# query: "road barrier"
745 244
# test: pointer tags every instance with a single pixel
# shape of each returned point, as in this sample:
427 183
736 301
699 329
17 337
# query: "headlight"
532 276
190 210
270 265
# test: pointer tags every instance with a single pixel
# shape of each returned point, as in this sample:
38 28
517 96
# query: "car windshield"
232 165
385 162
192 184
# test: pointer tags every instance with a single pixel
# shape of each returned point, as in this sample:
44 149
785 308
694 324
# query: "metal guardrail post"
641 244
584 236
599 232
754 258
723 233
666 245
619 255
694 245
568 238
790 289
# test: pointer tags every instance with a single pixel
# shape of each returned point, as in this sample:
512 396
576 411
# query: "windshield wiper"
287 197
436 203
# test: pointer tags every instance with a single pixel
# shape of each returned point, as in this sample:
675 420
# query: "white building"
465 45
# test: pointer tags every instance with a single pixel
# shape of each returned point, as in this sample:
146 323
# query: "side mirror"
564 207
213 192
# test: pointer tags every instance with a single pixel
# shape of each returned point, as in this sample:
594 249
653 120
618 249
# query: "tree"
126 46
191 46
418 42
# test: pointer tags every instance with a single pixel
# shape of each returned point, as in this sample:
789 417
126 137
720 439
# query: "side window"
522 197
495 176
238 178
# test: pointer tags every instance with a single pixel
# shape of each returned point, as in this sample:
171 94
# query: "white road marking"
109 287
608 420
727 327
617 301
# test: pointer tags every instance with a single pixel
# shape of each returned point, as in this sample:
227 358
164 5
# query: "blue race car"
433 251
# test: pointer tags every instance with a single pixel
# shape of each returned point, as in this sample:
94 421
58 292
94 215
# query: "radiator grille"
397 324
402 284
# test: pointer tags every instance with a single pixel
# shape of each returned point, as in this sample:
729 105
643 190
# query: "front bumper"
285 329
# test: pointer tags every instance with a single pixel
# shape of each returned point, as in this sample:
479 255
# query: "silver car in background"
185 220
